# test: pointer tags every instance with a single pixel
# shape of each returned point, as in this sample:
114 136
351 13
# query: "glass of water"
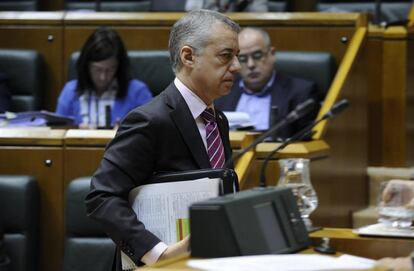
294 173
396 203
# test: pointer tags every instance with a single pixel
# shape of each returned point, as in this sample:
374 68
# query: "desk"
341 239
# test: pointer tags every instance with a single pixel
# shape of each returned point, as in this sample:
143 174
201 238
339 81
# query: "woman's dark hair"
104 43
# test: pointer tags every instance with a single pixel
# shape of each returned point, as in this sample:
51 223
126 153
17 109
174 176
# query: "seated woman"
104 85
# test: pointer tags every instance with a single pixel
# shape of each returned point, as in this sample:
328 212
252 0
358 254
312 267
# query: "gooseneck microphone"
299 111
335 110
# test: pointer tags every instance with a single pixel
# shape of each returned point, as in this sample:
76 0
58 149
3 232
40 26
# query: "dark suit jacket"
287 92
160 136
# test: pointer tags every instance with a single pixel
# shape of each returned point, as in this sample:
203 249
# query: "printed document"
164 208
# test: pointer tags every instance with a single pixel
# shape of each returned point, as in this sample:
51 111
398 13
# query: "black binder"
229 180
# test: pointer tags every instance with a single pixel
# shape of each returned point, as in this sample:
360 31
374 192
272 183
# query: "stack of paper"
291 262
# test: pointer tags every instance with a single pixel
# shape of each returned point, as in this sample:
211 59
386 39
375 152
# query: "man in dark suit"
261 87
169 133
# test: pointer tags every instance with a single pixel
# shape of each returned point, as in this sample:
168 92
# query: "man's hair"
102 44
195 30
264 34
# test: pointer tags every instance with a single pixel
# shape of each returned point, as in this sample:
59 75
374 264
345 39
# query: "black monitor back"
251 222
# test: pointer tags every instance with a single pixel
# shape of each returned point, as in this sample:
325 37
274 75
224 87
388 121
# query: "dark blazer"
160 136
287 92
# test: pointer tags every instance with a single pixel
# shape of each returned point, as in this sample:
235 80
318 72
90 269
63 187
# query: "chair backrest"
109 5
87 247
19 215
151 67
26 78
319 67
391 10
170 5
19 5
277 5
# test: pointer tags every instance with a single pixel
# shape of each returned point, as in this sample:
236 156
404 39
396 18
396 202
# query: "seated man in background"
104 85
5 96
261 87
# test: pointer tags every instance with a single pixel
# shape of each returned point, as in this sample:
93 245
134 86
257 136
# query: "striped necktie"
215 147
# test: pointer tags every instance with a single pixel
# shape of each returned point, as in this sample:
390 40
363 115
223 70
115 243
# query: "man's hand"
399 190
395 264
176 249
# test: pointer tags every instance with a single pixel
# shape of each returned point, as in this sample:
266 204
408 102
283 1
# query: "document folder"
163 204
228 176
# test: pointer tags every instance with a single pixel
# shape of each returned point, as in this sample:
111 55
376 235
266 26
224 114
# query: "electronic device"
263 220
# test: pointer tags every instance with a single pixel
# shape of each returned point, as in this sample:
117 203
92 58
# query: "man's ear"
273 50
273 53
187 56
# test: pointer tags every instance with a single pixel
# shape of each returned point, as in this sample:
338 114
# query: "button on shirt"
257 104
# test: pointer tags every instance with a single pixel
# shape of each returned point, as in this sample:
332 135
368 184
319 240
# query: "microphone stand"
335 109
300 135
97 5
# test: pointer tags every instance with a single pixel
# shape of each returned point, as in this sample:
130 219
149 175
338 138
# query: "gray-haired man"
169 133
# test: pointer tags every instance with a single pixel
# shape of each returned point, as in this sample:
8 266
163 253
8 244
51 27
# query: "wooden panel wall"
30 160
387 89
38 31
410 95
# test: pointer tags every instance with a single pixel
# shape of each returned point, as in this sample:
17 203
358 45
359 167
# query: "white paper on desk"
161 206
291 262
238 119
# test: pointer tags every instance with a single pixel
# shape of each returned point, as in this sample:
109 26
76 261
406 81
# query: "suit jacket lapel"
186 125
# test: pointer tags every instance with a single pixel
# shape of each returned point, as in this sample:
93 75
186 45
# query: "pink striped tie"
215 147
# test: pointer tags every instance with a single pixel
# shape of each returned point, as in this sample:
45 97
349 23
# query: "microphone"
108 116
335 110
299 111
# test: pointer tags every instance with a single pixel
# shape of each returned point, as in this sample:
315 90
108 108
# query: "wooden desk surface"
41 136
308 149
88 137
343 240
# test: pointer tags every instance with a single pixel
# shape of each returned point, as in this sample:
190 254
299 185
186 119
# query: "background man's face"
256 59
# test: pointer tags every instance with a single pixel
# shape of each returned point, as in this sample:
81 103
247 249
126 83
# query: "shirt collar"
195 104
261 93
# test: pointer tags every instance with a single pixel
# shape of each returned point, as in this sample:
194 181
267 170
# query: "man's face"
256 59
102 72
215 65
